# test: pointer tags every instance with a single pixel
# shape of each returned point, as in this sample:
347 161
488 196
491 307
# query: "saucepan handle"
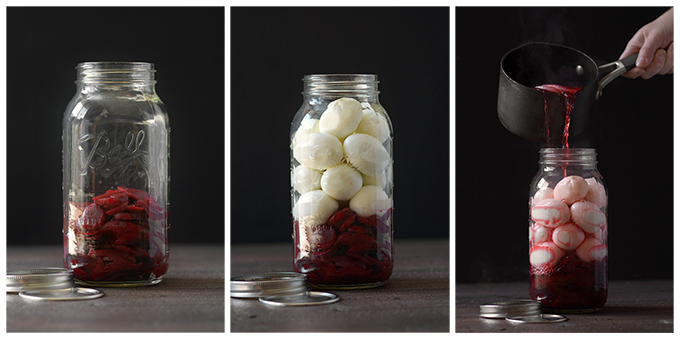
615 69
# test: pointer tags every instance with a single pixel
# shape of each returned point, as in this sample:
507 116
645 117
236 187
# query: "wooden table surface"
189 299
632 306
415 299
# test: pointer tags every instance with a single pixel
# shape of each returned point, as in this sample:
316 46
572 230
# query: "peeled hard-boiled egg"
314 208
306 179
366 154
341 117
370 200
318 151
373 124
341 182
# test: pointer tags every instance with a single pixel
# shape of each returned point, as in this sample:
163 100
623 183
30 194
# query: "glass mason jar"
116 147
568 231
341 183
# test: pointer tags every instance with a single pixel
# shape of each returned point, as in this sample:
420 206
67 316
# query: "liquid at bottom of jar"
571 285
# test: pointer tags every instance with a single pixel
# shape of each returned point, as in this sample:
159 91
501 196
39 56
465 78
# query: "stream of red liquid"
569 94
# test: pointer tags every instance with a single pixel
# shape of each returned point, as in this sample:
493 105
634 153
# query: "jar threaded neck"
341 83
559 156
116 72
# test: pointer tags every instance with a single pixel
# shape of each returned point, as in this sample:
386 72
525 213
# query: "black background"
494 168
273 48
187 46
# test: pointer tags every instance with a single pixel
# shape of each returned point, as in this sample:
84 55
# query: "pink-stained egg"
596 193
568 236
538 234
545 254
550 213
542 194
591 250
571 189
588 216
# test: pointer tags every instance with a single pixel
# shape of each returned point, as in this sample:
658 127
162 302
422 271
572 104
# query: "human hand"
654 43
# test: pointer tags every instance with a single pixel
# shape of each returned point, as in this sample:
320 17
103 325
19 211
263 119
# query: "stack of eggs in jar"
341 160
569 218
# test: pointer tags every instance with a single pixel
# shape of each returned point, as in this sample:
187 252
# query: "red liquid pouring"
569 94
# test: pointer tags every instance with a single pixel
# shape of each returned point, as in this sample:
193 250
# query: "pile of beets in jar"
348 249
120 236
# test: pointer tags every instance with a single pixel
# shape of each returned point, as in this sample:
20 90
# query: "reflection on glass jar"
568 231
341 183
115 176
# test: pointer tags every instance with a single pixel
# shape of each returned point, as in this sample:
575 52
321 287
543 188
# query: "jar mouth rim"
570 150
116 65
344 77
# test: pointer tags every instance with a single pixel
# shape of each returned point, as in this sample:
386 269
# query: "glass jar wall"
341 183
115 176
568 231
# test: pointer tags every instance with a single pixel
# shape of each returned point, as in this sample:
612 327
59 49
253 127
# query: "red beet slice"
134 193
114 198
128 238
111 209
155 212
127 216
321 238
92 218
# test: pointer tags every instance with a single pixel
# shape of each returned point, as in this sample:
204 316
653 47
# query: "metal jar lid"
32 279
537 319
53 284
69 294
268 285
309 298
510 308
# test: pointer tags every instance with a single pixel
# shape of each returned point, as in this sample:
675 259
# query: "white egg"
366 154
341 117
314 208
318 151
341 182
370 200
306 179
307 127
373 124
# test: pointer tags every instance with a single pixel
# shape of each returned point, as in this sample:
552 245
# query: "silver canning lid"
537 319
39 279
510 308
309 298
268 285
69 294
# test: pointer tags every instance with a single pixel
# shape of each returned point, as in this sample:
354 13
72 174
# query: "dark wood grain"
415 299
189 299
632 306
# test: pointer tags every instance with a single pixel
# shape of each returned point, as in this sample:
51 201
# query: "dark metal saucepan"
521 107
